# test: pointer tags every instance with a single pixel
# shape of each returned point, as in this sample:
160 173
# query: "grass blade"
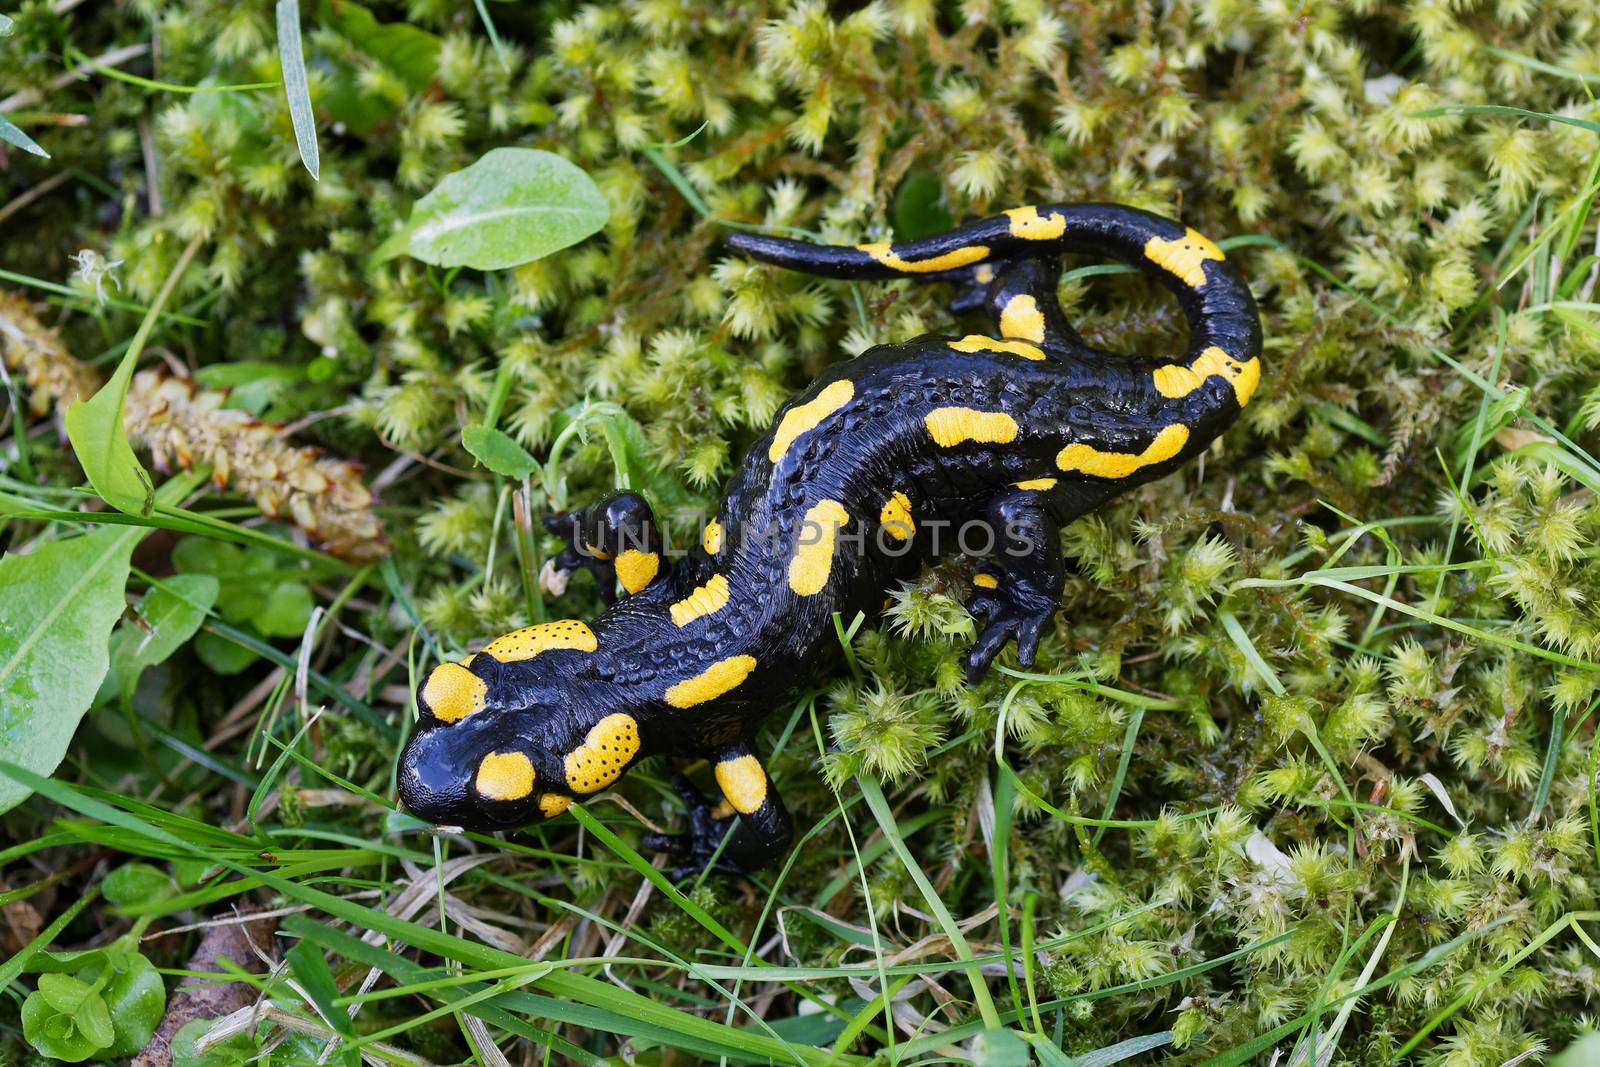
292 58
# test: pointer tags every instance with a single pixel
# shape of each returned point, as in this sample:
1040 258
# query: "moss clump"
1316 714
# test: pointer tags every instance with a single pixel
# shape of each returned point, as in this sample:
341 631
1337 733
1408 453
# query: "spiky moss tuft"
1300 749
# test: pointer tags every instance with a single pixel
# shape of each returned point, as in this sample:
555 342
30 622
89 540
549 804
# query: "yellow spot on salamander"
636 569
813 554
722 810
598 553
744 783
1027 223
1177 381
705 600
1090 460
529 641
883 252
984 274
711 538
895 517
721 677
1244 377
604 753
797 420
504 776
952 426
553 804
452 692
1184 256
985 581
1022 318
977 342
1038 485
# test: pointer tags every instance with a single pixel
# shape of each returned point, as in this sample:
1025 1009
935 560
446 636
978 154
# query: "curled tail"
1224 327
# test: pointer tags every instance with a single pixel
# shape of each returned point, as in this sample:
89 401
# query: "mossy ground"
1316 715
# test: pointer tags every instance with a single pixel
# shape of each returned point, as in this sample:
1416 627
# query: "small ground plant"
1305 774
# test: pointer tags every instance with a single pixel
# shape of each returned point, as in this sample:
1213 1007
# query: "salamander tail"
1224 327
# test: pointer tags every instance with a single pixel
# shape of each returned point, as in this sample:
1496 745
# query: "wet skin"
980 443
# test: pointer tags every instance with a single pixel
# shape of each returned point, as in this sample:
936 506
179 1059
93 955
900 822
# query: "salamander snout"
480 776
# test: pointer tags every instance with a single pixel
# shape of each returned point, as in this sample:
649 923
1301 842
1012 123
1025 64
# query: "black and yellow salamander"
985 443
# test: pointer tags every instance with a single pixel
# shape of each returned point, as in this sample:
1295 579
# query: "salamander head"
485 756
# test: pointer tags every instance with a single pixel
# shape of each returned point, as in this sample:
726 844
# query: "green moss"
1308 758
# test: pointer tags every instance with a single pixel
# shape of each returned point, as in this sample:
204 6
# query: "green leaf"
310 968
56 616
134 884
221 655
95 428
135 999
292 59
171 613
5 25
409 52
512 206
1584 1052
234 1052
287 610
63 992
65 1019
999 1048
1123 1050
918 210
497 450
12 135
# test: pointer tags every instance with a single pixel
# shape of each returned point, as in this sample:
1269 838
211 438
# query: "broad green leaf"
999 1048
512 206
1584 1052
234 1052
287 610
137 883
63 992
918 210
497 450
169 616
95 427
135 998
409 52
60 604
292 59
12 135
65 1020
221 655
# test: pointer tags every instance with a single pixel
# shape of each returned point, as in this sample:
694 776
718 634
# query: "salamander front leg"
1022 299
615 539
1018 589
750 807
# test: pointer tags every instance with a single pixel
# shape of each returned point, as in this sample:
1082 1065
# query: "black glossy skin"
877 443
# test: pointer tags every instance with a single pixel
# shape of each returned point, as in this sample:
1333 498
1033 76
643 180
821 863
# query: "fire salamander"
986 444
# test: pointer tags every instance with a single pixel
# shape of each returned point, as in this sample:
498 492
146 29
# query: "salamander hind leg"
749 825
1018 588
1022 299
615 539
